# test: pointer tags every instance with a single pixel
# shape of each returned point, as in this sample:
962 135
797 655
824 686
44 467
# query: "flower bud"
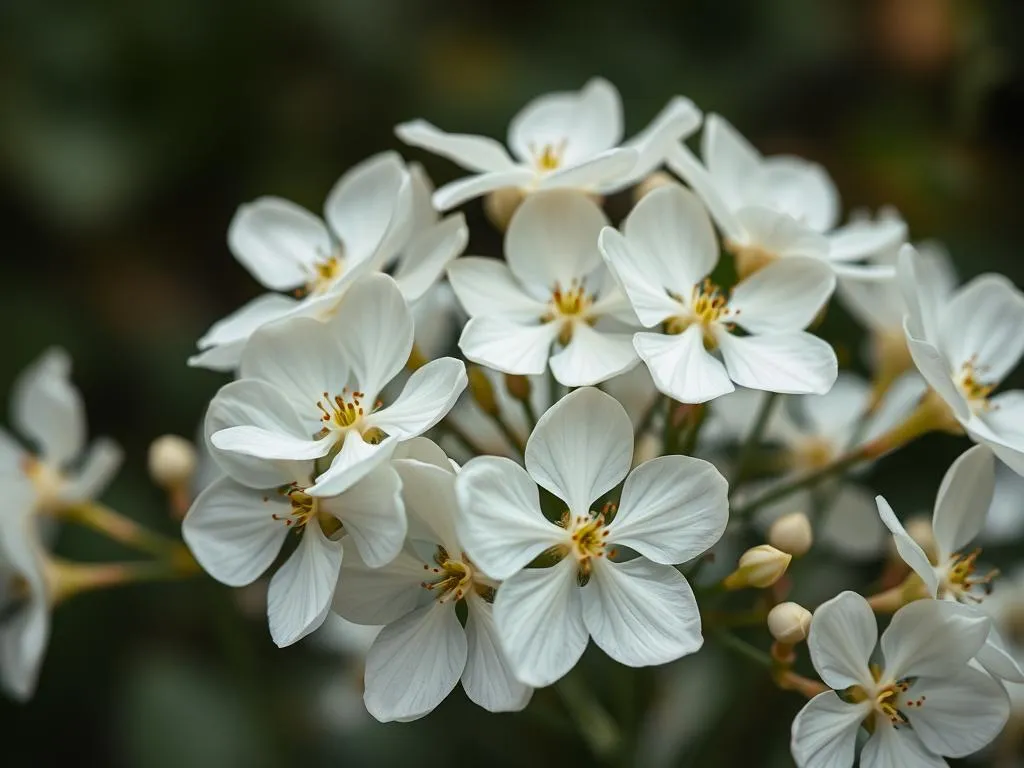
789 623
518 387
792 533
760 567
482 390
652 182
501 204
172 461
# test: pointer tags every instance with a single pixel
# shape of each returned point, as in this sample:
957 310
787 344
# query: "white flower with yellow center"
964 345
424 650
664 257
921 702
777 207
639 611
559 140
378 217
554 302
47 410
308 390
951 572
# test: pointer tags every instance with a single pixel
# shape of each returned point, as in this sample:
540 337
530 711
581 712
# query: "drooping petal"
641 613
842 636
499 520
681 367
963 500
102 460
1001 428
487 287
415 663
783 296
488 680
824 732
552 239
576 456
356 459
909 549
963 711
981 325
932 638
222 344
47 408
592 357
676 121
236 532
476 153
373 515
790 363
641 278
539 615
377 596
672 509
891 747
998 660
261 443
278 242
507 346
424 261
457 192
302 590
428 395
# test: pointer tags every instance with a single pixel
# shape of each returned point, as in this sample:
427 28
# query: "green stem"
595 725
688 439
744 649
756 434
531 414
121 529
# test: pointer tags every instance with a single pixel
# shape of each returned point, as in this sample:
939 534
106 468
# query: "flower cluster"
492 513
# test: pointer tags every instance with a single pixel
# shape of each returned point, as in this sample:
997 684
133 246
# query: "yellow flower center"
709 305
959 579
588 539
325 273
974 390
549 158
452 578
888 700
303 509
570 306
343 412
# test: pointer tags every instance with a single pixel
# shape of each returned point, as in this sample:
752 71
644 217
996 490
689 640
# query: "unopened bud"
789 623
501 204
760 567
652 182
518 387
172 461
792 533
482 390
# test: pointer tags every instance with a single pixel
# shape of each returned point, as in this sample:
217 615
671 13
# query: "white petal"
577 457
356 459
1001 428
964 710
278 241
262 443
909 549
932 638
935 369
47 408
893 747
1005 520
232 532
428 395
852 526
99 467
539 614
784 296
499 520
375 596
429 493
998 660
834 413
981 324
607 170
924 284
488 679
842 637
457 192
799 188
963 500
641 276
864 238
721 207
681 367
507 346
677 121
223 343
477 153
301 591
641 613
592 357
790 363
487 287
373 515
424 261
672 509
899 402
824 732
415 663
552 239
779 234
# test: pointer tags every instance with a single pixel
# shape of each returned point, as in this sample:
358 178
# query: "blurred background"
129 133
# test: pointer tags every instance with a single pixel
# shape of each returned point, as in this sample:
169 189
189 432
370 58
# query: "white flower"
964 345
920 703
378 217
950 573
555 293
663 259
1004 523
641 611
308 391
1006 607
782 206
559 140
423 650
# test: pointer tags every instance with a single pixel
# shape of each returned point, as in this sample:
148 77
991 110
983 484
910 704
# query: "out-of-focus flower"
309 389
1004 522
422 651
921 703
378 217
964 344
663 259
554 302
560 140
780 207
640 611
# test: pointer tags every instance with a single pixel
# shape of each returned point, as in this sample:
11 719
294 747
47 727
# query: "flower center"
889 701
305 508
570 305
959 578
709 306
588 539
974 390
343 412
325 273
453 578
549 158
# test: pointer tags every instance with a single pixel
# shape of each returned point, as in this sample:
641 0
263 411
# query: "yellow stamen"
973 388
569 305
960 578
453 578
550 156
588 540
709 305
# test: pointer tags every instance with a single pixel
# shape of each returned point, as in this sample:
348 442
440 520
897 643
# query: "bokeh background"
129 133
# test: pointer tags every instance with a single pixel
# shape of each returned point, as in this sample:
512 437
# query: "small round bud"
792 533
789 623
172 461
501 204
652 182
482 390
760 567
518 387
